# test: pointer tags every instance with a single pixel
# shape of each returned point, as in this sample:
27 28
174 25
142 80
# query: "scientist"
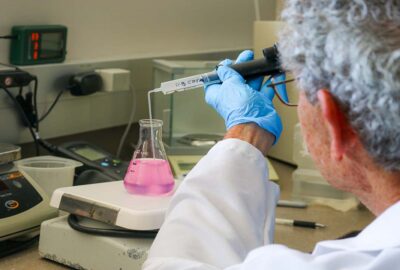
345 55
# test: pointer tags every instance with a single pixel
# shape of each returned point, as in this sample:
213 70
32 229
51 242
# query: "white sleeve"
223 209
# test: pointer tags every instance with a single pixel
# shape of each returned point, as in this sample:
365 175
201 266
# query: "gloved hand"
239 102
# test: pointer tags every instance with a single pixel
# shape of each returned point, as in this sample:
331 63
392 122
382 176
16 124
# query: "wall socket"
115 79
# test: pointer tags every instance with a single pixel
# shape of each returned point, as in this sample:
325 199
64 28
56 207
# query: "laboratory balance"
23 203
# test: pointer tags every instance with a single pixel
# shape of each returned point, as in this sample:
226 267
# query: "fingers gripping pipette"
269 65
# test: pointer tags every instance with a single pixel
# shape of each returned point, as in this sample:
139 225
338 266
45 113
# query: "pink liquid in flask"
149 176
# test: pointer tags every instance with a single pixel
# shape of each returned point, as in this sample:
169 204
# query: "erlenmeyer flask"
149 172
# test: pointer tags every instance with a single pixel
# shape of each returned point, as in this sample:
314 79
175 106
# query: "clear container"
49 172
149 172
184 113
309 185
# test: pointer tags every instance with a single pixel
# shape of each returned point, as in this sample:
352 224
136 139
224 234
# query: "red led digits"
35 39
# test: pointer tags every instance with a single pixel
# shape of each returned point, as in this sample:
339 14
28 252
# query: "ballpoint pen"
299 223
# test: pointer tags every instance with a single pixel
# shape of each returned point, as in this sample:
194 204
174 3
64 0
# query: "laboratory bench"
338 223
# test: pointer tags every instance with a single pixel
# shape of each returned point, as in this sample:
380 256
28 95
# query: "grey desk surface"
298 238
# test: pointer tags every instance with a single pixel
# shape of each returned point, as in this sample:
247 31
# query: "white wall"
104 29
126 34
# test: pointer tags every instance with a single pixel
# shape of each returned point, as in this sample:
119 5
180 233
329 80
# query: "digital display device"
89 153
38 44
52 45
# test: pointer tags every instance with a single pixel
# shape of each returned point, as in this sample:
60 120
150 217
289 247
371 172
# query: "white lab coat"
222 217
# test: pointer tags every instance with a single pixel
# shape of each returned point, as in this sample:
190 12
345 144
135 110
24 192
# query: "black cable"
52 106
48 146
35 104
9 65
9 37
28 123
73 221
10 247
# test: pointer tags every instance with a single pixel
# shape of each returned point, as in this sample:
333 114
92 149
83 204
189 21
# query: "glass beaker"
149 172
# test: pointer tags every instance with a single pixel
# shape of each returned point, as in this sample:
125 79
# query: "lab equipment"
105 206
49 172
81 251
15 78
149 172
38 44
110 203
299 223
86 83
23 203
268 65
181 128
239 101
95 160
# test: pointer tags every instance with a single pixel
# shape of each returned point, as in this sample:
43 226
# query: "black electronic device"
268 65
85 83
17 195
15 78
94 159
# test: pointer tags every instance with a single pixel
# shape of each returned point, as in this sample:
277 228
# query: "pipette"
269 65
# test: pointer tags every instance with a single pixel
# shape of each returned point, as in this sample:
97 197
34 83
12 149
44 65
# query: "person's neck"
384 192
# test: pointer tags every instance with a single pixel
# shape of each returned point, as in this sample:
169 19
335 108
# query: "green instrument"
38 44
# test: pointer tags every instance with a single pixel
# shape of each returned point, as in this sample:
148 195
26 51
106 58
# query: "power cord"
51 106
73 221
9 65
34 134
128 127
9 37
35 104
28 108
29 105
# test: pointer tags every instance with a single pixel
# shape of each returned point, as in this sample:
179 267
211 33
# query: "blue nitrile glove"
239 102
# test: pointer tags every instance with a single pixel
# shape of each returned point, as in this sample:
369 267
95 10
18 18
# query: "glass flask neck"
147 123
150 140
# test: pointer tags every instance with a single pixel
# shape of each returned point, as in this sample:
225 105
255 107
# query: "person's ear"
341 133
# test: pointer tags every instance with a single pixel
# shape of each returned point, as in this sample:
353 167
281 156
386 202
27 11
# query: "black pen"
299 223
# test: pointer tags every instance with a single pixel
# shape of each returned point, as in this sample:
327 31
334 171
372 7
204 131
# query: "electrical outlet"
115 79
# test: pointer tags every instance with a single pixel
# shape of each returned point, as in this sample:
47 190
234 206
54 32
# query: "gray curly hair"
352 48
